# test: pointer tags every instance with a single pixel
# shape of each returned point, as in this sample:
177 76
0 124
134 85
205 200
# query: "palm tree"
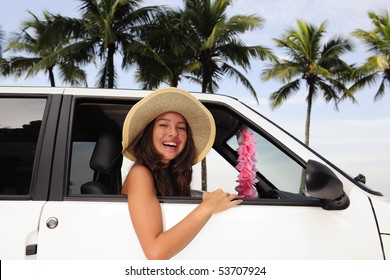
108 28
170 52
377 66
44 51
215 40
317 65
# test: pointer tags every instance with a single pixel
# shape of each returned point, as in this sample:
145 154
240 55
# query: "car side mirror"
322 183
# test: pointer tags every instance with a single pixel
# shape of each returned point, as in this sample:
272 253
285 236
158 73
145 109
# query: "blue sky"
356 138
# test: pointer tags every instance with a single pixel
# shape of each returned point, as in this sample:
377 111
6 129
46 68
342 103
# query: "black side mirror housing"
322 183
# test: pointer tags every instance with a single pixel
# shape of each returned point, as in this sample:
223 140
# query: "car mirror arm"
339 203
322 183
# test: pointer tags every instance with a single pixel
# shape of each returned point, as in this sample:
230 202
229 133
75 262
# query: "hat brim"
164 100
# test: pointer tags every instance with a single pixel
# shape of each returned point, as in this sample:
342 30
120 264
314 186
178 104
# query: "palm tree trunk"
174 81
308 117
110 66
307 135
51 77
204 163
204 175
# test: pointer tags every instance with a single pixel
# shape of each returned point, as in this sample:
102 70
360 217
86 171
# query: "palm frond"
283 93
73 74
234 73
381 91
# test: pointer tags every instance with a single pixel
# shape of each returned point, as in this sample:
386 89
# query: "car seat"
106 161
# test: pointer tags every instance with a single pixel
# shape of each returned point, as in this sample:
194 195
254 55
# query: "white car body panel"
102 230
286 232
19 223
88 230
381 207
386 245
382 211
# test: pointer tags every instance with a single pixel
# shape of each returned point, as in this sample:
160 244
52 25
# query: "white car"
61 171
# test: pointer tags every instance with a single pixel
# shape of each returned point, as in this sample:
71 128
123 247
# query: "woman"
165 134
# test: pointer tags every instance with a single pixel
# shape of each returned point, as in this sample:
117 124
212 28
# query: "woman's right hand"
218 201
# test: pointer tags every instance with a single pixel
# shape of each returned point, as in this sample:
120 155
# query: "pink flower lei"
246 165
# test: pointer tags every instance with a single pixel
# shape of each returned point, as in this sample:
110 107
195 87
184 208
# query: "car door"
285 222
27 130
75 225
261 230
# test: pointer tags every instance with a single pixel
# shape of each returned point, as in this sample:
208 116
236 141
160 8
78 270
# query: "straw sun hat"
164 100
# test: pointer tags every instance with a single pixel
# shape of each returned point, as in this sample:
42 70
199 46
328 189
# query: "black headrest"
107 154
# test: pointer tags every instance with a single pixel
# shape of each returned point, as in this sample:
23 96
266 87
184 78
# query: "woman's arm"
146 216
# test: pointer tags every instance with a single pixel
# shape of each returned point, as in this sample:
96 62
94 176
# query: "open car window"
96 158
97 166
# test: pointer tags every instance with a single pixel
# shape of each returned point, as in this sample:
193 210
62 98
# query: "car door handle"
31 249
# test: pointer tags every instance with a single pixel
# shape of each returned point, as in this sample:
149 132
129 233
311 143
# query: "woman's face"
169 135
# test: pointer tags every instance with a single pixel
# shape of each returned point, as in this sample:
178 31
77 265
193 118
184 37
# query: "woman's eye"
182 128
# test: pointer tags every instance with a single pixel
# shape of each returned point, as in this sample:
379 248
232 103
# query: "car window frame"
61 164
63 150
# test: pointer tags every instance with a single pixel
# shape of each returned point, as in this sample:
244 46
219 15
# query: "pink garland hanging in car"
246 165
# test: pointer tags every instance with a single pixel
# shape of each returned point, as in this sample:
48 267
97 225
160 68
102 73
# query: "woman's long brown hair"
173 179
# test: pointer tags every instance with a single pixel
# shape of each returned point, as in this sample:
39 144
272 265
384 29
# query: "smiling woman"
165 134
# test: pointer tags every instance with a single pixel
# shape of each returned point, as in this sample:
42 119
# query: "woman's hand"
218 201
